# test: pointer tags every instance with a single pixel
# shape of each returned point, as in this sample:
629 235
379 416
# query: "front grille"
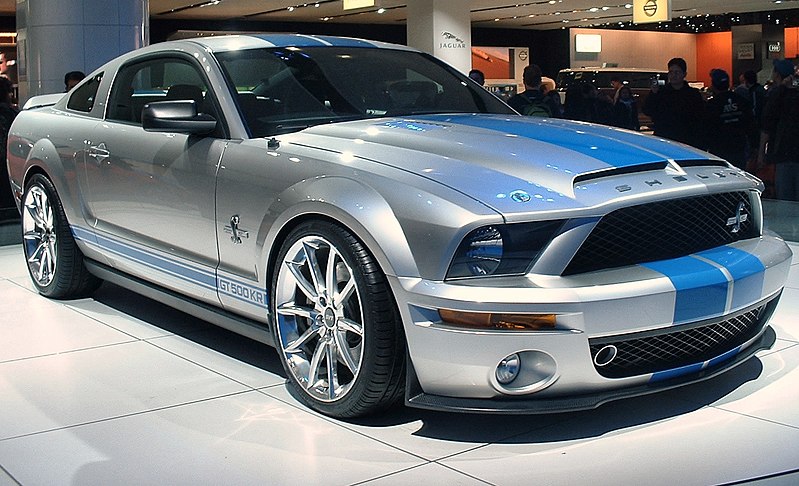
652 352
663 230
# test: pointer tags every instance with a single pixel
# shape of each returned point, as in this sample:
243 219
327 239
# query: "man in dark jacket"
532 101
676 108
728 121
779 139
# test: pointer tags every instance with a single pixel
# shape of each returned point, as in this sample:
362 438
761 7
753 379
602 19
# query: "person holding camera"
675 107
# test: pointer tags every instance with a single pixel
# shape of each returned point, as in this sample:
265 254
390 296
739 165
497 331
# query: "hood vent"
617 171
653 166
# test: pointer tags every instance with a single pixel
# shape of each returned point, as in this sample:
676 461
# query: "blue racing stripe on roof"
701 287
287 40
747 272
345 41
613 147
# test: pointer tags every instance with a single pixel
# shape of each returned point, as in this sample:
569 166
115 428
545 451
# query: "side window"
83 97
156 80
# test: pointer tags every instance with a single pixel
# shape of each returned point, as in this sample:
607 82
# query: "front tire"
55 262
336 325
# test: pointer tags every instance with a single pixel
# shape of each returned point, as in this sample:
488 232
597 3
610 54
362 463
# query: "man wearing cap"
728 120
779 137
676 108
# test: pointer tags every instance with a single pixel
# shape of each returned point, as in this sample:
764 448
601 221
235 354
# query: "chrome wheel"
55 262
39 236
319 316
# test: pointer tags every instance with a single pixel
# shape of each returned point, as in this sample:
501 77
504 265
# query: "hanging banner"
647 11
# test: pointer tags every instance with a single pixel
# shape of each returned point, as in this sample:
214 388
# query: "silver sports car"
394 230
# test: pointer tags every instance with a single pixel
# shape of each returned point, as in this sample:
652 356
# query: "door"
152 194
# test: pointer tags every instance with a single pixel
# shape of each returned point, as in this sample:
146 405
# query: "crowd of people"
752 128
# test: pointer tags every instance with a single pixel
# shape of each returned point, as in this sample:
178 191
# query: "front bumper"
455 369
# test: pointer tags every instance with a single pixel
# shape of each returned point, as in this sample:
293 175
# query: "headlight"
508 249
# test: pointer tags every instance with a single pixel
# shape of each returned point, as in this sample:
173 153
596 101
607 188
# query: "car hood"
503 161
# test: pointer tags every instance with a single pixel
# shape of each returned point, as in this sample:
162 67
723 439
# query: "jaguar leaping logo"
740 217
451 36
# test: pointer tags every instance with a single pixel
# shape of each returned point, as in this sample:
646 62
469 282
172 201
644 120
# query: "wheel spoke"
294 310
313 266
332 371
34 212
316 362
345 293
304 285
32 235
330 272
344 352
43 264
349 325
296 345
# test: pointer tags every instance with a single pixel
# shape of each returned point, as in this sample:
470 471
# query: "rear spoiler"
42 100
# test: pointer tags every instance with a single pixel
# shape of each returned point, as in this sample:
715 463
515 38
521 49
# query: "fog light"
508 369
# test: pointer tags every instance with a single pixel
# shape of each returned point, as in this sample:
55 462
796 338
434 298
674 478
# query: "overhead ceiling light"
381 10
291 9
352 4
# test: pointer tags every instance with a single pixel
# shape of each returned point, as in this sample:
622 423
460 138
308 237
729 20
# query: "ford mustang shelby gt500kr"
393 229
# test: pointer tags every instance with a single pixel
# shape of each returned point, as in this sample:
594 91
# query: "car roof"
612 69
227 43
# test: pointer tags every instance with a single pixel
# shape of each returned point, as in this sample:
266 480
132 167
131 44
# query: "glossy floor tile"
120 389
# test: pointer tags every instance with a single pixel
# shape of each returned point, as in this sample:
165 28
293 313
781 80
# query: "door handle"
99 152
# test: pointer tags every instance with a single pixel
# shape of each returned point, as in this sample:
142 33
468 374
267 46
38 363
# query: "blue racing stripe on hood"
613 147
701 287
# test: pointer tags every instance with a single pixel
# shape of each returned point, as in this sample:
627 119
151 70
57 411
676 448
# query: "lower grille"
646 353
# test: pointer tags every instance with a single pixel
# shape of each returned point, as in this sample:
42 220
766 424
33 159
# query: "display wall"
791 42
636 49
713 51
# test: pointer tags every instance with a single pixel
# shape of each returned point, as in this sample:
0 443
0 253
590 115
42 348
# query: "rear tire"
55 262
336 326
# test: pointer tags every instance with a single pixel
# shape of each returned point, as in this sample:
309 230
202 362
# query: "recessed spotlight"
381 10
605 8
291 9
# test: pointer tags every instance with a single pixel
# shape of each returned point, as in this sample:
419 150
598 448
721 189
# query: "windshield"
287 89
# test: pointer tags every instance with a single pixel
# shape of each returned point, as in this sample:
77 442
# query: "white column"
58 36
442 28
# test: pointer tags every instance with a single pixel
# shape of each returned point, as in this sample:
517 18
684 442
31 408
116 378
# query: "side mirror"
176 116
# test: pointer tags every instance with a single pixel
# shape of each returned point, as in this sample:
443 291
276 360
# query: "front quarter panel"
407 222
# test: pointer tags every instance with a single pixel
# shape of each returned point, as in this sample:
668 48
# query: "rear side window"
84 96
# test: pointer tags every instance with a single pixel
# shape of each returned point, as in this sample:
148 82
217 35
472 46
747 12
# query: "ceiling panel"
540 14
